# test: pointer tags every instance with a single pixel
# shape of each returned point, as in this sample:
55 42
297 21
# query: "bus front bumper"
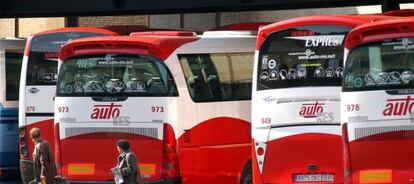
10 174
162 181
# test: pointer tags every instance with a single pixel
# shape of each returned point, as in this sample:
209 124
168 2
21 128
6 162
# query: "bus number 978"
352 107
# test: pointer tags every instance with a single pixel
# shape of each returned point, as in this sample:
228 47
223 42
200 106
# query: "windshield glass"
116 75
44 51
302 56
381 65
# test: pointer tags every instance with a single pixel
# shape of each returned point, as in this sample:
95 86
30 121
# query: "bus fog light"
376 176
81 169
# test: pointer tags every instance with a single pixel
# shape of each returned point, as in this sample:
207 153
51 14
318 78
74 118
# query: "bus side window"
218 76
195 81
13 67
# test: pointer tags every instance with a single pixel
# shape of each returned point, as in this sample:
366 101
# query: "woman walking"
128 164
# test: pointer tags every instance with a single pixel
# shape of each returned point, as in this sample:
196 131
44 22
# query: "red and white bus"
38 87
296 99
377 106
183 101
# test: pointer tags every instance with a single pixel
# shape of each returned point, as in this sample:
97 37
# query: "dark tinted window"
218 76
42 69
42 65
13 67
53 42
115 75
302 56
382 65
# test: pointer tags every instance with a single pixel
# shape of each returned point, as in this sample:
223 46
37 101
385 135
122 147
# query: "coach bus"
297 78
182 100
38 86
377 107
11 55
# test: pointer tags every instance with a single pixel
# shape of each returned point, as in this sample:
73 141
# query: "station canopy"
58 8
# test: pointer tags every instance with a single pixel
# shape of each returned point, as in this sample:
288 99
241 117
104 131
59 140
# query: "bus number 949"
266 121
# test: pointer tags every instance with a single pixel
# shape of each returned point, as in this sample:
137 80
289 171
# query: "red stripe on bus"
100 149
294 154
215 151
390 150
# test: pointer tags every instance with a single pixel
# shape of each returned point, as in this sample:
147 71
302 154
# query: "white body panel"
376 116
140 116
41 101
284 106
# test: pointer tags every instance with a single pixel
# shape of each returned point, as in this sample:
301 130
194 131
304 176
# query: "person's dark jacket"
44 165
128 166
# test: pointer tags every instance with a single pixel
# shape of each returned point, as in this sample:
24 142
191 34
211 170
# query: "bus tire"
247 175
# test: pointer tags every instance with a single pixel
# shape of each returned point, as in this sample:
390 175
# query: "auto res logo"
311 110
399 106
110 111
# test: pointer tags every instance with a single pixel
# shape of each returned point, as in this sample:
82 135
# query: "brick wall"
113 20
7 28
28 26
199 22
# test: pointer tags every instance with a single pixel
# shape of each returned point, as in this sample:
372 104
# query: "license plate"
313 178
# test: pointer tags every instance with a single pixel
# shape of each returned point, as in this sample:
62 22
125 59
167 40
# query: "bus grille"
107 131
386 133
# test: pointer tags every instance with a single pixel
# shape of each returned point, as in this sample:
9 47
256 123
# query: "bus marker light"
260 151
147 169
375 176
81 169
22 132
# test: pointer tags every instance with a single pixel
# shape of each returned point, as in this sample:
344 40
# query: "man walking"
44 164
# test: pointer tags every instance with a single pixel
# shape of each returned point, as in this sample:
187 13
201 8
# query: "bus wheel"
247 177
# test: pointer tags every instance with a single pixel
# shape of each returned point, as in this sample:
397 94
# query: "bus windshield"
115 75
44 51
302 56
385 65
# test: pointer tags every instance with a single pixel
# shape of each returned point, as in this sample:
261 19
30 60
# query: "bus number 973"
157 109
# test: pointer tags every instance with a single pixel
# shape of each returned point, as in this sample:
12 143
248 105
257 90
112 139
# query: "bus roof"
401 13
79 29
247 26
380 30
343 20
12 43
66 29
160 46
